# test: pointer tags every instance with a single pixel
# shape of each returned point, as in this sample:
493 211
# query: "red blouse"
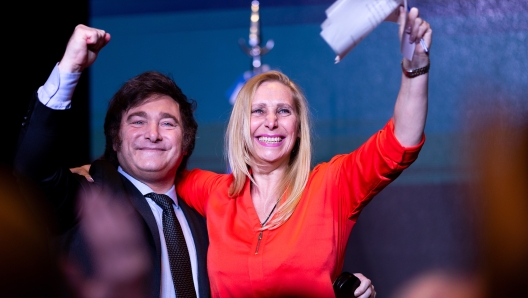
303 256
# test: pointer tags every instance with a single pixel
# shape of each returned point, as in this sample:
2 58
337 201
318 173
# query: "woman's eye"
257 111
284 111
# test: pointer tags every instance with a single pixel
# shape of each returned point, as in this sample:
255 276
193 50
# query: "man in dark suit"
150 134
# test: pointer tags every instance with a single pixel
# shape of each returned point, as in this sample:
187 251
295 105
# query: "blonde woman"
276 227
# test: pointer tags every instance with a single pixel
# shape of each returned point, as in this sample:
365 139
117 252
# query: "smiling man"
150 140
150 134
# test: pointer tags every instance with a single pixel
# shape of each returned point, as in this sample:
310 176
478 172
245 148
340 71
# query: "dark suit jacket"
38 159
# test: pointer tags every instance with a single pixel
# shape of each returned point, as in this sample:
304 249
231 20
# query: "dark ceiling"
434 7
123 7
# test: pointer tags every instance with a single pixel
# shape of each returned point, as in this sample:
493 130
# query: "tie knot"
164 201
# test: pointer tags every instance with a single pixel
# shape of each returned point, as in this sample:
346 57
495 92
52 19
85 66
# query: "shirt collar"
144 189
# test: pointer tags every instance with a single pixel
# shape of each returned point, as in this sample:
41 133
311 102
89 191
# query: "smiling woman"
274 124
276 227
278 110
272 222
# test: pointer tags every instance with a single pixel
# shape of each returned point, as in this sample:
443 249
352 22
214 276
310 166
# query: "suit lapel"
118 187
140 204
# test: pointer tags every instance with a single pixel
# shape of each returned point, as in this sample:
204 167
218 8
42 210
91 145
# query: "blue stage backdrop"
419 222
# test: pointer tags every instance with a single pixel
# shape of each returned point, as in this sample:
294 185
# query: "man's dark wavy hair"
134 93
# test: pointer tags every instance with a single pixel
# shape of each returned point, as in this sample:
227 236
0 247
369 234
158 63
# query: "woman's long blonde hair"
239 146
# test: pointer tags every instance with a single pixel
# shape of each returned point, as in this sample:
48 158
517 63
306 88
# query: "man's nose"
152 132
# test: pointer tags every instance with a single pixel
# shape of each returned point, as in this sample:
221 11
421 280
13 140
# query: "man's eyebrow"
163 115
144 115
168 115
138 113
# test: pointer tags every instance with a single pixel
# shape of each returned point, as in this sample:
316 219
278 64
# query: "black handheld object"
345 285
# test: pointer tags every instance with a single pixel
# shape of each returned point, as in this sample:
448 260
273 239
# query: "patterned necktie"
180 263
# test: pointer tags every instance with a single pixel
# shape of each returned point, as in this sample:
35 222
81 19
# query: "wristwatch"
412 73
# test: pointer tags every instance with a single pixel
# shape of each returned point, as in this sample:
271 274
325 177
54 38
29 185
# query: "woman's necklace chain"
269 215
263 223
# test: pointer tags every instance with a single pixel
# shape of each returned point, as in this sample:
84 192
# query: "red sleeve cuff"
394 150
